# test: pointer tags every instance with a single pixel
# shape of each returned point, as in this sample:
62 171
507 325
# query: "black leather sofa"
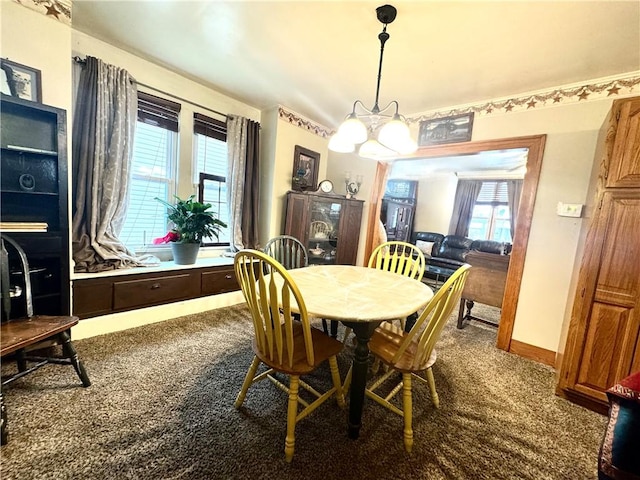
449 252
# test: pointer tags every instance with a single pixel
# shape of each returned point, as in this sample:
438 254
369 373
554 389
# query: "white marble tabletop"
359 294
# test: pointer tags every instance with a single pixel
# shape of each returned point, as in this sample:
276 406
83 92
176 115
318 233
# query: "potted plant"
192 221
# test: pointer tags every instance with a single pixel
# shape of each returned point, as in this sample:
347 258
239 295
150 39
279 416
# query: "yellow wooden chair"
283 345
412 353
398 257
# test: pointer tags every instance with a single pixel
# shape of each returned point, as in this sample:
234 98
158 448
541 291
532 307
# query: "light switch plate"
569 209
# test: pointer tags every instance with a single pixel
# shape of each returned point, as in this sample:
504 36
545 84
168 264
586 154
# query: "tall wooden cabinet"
603 339
33 202
327 225
397 218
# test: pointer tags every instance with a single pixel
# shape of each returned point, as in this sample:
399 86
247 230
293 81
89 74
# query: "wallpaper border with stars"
57 9
593 90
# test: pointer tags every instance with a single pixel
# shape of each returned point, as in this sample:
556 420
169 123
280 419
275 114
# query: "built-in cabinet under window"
119 293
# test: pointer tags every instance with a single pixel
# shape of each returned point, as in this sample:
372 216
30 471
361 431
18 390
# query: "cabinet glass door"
323 235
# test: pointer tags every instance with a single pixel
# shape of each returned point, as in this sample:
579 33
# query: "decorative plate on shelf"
316 252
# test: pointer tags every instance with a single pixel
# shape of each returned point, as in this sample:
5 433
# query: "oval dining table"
361 298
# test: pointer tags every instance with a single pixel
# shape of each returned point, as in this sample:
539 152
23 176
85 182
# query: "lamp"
393 138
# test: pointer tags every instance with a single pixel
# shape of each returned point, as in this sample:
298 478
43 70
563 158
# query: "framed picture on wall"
454 129
20 81
305 169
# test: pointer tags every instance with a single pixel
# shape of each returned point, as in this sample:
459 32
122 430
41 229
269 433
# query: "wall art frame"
305 169
453 129
21 81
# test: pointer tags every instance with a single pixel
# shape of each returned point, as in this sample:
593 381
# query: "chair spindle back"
399 257
271 294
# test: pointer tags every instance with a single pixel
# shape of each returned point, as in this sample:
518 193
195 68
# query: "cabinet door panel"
611 312
348 245
606 358
219 281
131 294
624 167
619 273
296 219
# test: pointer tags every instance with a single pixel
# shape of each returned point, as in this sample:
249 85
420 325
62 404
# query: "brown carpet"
161 407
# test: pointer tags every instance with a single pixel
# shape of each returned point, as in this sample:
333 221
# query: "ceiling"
317 58
490 164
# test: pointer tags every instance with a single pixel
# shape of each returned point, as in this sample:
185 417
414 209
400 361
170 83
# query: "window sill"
165 266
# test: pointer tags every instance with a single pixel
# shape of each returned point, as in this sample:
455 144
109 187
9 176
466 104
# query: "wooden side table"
485 283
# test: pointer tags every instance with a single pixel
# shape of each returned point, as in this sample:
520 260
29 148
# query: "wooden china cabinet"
327 225
603 337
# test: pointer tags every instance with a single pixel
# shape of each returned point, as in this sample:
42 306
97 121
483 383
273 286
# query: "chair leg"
432 388
20 360
347 380
347 332
334 328
325 326
335 375
70 352
248 379
330 328
376 366
292 413
407 409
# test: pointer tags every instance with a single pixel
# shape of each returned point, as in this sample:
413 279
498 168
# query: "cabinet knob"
228 276
155 286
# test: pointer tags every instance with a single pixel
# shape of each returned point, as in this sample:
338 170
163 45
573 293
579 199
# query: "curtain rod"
82 61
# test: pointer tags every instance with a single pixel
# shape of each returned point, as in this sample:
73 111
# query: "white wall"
287 136
436 194
40 42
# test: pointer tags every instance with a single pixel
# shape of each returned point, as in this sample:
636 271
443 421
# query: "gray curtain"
514 190
466 195
243 143
103 130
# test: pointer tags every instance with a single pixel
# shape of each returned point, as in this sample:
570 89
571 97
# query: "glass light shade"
376 151
339 145
394 134
406 146
353 130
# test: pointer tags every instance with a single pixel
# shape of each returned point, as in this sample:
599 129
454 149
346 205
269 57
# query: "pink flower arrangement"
169 237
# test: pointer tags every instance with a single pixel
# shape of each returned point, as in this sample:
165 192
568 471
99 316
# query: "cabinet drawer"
155 290
91 298
219 281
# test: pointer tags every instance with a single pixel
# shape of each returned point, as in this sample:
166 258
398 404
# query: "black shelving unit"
33 190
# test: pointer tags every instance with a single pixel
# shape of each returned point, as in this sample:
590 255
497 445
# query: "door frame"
535 146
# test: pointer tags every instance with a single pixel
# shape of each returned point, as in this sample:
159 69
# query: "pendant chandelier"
381 135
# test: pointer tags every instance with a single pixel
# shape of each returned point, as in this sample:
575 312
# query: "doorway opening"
534 147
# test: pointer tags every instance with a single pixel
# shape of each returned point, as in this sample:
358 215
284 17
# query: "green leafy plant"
191 220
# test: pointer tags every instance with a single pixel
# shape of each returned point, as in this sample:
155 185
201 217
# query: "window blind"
210 127
493 192
158 112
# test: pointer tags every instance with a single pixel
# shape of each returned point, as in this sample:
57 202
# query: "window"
210 169
491 215
153 170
